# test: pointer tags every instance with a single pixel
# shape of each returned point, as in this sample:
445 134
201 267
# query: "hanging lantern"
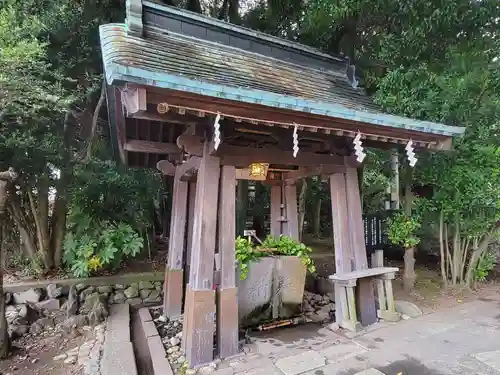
258 169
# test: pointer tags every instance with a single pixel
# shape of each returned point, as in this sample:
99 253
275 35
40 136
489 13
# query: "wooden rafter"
152 147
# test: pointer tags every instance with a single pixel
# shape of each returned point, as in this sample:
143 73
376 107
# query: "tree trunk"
5 177
194 6
59 217
441 250
4 334
478 251
409 275
302 208
316 219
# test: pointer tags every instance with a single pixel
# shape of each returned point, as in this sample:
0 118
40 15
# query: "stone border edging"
161 365
91 281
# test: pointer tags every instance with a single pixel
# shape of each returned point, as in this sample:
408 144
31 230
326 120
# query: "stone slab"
118 358
149 329
268 370
339 352
491 359
118 324
300 363
371 371
145 315
161 366
224 371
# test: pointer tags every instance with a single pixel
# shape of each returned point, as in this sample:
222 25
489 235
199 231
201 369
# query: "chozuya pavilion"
208 103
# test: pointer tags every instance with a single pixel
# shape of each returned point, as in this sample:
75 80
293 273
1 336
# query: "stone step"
118 353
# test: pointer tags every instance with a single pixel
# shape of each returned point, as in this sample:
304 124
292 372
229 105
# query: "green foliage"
245 254
484 266
105 191
90 246
272 246
287 246
402 230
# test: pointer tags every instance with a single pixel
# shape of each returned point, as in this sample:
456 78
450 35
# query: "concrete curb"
94 281
161 365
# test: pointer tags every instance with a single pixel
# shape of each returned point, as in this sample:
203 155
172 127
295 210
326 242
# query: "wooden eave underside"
146 136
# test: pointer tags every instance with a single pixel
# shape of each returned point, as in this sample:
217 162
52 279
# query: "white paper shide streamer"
217 132
412 160
295 141
358 148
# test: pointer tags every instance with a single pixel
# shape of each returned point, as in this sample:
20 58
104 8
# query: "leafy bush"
272 246
401 230
484 266
90 247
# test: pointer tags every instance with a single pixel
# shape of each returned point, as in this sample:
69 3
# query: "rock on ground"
408 308
28 296
131 292
72 303
54 291
49 305
41 325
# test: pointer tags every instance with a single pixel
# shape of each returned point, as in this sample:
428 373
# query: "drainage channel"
139 342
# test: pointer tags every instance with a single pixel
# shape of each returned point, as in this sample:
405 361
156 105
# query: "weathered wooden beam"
276 202
262 114
175 276
134 99
200 297
366 293
166 168
115 102
244 156
188 168
170 118
228 298
152 147
344 258
292 215
303 172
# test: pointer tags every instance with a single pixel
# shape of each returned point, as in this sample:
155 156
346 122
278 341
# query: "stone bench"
345 285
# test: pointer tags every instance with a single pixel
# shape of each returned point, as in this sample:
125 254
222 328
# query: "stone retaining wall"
76 302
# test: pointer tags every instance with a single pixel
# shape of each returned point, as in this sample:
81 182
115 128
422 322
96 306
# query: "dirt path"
34 355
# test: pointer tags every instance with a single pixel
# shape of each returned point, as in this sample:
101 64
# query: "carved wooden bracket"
166 167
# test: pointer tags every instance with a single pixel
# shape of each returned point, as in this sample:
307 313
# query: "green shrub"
484 266
402 230
90 247
272 246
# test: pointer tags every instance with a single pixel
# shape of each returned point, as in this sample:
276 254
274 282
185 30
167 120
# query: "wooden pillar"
190 221
292 215
199 311
227 319
276 202
344 259
365 295
174 275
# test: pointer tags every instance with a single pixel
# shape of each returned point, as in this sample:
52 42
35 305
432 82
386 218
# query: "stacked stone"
318 308
39 310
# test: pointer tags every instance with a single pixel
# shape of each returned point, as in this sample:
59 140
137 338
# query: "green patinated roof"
161 58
